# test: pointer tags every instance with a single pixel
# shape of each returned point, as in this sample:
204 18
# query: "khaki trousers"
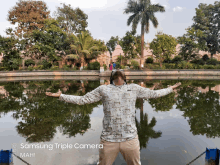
130 151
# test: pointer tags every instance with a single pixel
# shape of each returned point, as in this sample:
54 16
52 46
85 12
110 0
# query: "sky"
106 18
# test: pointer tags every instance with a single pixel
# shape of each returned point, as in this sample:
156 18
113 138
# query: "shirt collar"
119 85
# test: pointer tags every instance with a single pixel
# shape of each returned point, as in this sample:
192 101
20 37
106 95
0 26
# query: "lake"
173 129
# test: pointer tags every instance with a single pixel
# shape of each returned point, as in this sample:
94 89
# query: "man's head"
118 77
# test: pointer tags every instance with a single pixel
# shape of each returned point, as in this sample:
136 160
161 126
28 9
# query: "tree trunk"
161 65
142 43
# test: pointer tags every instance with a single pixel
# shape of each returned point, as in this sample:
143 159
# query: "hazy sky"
106 18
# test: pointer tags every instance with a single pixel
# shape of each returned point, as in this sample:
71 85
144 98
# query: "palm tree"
86 47
142 10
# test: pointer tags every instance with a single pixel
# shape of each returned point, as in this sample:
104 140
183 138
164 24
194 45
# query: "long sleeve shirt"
118 107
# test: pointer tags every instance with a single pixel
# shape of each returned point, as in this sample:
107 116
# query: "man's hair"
116 74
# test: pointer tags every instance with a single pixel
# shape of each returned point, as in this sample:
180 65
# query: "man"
119 132
114 65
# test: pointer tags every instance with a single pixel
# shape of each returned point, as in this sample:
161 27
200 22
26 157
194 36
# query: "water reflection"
41 116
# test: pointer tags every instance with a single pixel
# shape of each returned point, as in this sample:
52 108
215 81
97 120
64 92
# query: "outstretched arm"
147 93
90 97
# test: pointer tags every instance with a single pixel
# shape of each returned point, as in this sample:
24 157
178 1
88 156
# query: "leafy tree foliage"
71 20
128 43
206 22
11 50
189 45
163 46
48 40
112 43
86 47
29 15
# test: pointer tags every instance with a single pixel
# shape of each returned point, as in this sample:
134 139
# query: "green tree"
127 43
71 20
163 46
206 21
48 40
189 46
11 50
144 11
111 44
86 47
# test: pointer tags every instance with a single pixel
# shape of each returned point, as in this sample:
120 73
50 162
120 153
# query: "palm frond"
154 20
131 18
85 51
158 7
135 22
131 7
147 25
72 56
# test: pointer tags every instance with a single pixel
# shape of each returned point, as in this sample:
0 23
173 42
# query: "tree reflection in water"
42 116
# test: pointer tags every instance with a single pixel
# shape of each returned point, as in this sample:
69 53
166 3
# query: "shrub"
118 65
2 68
56 63
209 67
198 62
212 62
65 67
40 67
54 68
205 57
185 65
46 64
149 60
35 67
29 62
122 67
94 65
169 66
152 66
85 68
129 65
176 59
196 66
105 66
135 64
30 68
168 60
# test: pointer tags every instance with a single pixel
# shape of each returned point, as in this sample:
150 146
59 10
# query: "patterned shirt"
118 107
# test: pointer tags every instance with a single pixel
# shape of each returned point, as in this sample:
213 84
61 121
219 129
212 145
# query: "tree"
48 40
163 46
10 48
112 43
86 47
207 22
127 44
142 10
71 20
29 15
189 45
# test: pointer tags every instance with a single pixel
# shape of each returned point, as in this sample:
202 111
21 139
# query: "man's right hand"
176 85
54 94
